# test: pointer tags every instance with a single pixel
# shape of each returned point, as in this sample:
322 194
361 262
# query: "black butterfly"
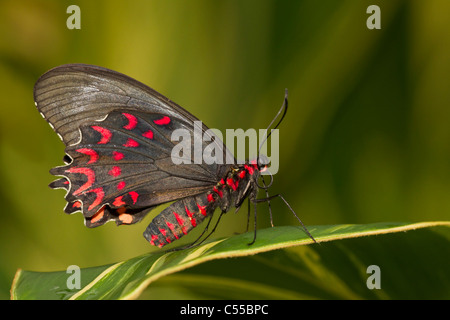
117 133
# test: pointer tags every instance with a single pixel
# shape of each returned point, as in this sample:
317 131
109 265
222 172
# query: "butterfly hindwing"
125 161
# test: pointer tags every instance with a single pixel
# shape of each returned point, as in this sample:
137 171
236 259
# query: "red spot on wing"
121 185
134 195
76 204
242 174
115 171
210 197
100 194
92 153
202 209
89 173
117 155
106 134
190 215
132 121
148 134
163 121
118 202
131 143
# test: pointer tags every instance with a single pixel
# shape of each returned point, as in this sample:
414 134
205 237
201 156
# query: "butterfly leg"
268 201
248 215
214 229
195 244
290 208
254 231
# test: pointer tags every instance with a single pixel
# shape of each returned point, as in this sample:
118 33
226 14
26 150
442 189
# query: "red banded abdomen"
177 220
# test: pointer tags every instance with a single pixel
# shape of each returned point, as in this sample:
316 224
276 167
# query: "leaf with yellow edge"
130 278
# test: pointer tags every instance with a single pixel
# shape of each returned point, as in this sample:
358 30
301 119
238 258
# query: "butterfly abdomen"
178 219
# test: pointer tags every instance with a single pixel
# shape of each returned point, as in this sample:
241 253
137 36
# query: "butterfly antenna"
283 110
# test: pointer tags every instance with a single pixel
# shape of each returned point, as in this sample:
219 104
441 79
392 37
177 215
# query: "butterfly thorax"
238 184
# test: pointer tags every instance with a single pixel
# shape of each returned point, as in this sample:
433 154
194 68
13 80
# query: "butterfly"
118 155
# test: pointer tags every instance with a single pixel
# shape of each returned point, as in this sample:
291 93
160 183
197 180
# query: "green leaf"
412 264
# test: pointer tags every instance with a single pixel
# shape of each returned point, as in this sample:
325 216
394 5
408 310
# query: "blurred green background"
366 138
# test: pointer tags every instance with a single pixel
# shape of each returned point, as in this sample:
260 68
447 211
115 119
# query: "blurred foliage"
365 139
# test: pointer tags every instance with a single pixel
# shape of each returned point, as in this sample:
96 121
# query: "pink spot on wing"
115 171
92 153
163 121
89 173
126 218
98 215
148 134
121 185
117 155
134 195
106 134
131 143
132 121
